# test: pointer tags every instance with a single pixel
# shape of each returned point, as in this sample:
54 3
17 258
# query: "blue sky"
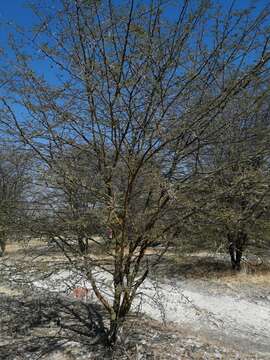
16 10
13 12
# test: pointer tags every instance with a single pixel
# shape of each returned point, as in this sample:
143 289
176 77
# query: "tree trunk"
238 257
83 245
121 309
113 332
2 246
236 244
232 250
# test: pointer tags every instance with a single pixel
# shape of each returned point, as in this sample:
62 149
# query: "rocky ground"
184 315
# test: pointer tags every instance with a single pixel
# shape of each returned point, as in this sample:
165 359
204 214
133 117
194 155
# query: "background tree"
236 189
74 186
14 182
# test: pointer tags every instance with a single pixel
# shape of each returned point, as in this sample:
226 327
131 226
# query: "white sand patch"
180 304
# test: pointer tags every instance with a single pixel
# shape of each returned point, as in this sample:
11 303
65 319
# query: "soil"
181 315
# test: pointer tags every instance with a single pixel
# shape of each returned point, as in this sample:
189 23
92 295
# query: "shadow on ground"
197 267
34 327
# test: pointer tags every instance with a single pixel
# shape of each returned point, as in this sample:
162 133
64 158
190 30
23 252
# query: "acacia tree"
14 182
73 183
140 91
236 188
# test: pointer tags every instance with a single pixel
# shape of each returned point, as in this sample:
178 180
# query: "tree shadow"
200 266
193 266
34 327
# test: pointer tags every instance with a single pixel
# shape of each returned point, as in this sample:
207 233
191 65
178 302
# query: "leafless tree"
235 188
14 182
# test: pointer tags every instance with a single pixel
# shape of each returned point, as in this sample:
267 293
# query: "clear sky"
13 12
17 11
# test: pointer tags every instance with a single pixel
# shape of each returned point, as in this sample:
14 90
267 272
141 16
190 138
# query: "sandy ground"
235 311
227 317
238 319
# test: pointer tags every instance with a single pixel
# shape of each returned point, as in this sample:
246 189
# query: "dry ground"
34 324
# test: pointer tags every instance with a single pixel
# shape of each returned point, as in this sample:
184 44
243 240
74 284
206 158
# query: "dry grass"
199 265
206 266
258 278
9 292
14 248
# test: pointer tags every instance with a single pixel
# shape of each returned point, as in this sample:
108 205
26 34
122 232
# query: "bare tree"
73 184
14 182
236 190
140 92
